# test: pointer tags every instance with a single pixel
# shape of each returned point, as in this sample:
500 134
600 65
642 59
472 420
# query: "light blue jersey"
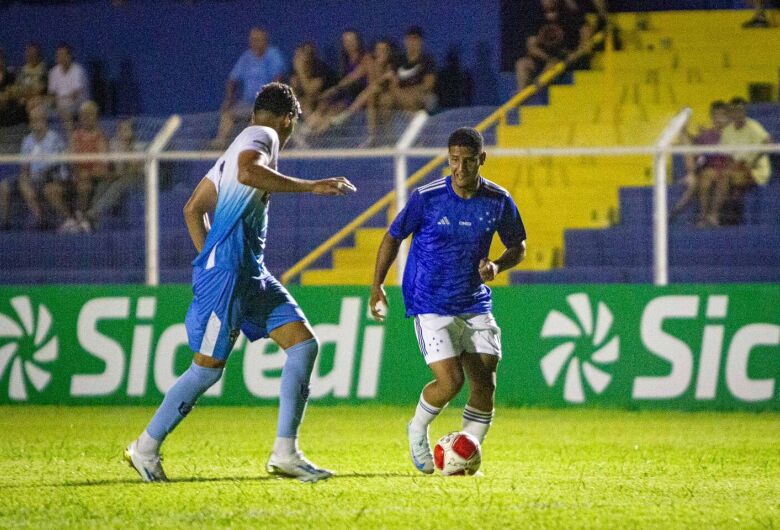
232 289
238 231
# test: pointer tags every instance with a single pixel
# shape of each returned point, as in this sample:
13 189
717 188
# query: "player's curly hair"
467 137
277 98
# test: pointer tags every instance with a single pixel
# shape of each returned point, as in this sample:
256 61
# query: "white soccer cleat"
420 449
296 466
148 466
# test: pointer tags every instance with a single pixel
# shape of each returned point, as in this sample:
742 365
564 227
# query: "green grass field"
61 467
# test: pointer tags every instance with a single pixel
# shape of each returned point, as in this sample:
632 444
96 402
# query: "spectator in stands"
412 86
67 85
124 176
257 66
47 179
562 35
382 65
760 16
11 111
32 75
706 176
88 137
354 66
746 169
310 77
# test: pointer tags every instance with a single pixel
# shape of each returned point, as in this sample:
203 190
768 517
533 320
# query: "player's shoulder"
259 137
491 188
433 187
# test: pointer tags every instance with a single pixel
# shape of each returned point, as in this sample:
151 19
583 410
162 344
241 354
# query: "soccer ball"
457 453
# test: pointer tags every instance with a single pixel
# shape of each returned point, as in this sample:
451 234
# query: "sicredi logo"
26 347
597 349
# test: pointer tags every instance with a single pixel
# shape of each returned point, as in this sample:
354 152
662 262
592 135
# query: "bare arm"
202 201
230 93
488 270
252 172
388 250
535 51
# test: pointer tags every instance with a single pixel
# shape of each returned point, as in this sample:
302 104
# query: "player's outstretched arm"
512 256
385 257
253 172
202 201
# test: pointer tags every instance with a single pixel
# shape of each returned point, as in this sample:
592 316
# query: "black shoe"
756 22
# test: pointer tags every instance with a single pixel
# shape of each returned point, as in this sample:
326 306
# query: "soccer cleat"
420 449
296 466
148 466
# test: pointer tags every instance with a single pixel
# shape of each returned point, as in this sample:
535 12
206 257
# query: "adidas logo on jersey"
443 221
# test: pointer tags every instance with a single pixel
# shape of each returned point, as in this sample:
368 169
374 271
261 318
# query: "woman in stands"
354 67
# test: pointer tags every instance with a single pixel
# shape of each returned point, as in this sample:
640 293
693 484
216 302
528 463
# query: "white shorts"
445 336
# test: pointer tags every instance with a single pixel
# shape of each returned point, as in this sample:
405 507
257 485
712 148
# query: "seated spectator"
309 78
67 86
382 66
31 76
706 176
760 15
257 66
354 65
11 111
124 177
562 35
47 179
412 86
88 137
746 169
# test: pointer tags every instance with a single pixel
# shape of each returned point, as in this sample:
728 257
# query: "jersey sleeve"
261 140
510 227
238 69
215 173
409 220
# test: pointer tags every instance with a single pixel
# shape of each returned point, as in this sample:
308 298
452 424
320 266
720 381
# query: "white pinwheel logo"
580 330
29 346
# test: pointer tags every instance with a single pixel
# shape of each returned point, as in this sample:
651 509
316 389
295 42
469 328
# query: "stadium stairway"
627 98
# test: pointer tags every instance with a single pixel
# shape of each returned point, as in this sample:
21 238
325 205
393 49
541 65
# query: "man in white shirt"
67 85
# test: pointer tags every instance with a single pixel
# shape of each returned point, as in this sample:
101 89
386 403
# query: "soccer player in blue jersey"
233 290
453 220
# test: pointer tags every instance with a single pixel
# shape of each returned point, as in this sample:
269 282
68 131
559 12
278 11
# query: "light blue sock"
181 398
295 387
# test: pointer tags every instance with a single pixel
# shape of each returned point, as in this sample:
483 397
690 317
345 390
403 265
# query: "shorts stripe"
420 339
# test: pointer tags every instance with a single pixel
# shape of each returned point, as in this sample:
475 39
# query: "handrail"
499 115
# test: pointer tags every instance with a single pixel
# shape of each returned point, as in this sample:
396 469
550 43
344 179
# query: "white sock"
147 445
424 415
285 446
476 422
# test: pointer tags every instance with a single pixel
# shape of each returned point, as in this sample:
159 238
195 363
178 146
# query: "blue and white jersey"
237 237
451 236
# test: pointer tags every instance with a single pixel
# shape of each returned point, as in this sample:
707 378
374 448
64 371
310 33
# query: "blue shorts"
225 302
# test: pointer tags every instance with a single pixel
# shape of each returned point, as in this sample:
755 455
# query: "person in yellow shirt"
747 168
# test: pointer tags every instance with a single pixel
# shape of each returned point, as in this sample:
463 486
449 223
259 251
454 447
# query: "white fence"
661 151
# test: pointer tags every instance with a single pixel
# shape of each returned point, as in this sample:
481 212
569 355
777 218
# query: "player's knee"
451 383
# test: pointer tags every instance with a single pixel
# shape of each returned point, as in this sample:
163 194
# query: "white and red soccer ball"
457 453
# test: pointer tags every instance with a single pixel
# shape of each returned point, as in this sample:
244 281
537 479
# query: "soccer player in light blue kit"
453 220
233 290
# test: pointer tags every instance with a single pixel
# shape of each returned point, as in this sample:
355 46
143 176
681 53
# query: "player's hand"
333 186
378 303
487 270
